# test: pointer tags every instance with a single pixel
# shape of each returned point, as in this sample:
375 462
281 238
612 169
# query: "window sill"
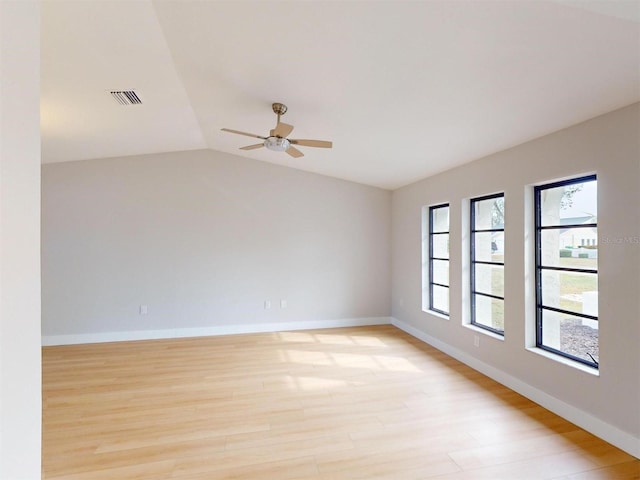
565 361
484 332
437 314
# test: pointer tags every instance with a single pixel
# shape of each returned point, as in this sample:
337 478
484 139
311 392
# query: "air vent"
126 97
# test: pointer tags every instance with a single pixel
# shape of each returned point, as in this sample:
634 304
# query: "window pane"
577 292
440 298
572 335
441 245
440 219
489 279
489 246
569 204
488 214
440 272
489 312
558 250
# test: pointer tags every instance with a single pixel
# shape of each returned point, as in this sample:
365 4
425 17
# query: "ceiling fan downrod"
279 109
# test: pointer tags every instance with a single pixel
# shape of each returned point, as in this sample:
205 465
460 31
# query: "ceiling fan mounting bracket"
279 108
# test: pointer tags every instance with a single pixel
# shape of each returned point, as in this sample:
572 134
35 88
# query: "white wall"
609 146
20 397
204 238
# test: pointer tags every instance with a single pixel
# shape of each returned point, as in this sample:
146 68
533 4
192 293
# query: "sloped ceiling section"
403 89
92 48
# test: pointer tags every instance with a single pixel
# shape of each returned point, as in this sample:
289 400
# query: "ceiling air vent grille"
126 97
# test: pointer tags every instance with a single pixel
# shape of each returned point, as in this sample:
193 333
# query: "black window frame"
539 228
474 262
432 258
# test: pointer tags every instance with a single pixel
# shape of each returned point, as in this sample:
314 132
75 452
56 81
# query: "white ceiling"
403 89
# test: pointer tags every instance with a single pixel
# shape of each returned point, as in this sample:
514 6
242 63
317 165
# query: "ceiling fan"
277 139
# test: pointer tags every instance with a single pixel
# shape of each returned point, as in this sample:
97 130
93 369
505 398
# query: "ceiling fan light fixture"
277 144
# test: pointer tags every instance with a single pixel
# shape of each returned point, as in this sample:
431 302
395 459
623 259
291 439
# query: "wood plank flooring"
352 403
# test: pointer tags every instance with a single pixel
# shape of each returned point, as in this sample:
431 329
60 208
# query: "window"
567 269
439 259
487 263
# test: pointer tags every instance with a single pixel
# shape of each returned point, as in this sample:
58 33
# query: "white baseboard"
124 336
623 440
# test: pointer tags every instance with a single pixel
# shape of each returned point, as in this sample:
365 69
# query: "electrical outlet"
476 341
283 304
267 304
144 310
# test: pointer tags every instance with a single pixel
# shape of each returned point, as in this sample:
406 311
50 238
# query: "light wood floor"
356 403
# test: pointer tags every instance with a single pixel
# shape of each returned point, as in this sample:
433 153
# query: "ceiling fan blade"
242 133
252 147
282 130
312 143
294 152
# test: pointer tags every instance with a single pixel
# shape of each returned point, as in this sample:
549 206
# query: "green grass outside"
576 284
569 284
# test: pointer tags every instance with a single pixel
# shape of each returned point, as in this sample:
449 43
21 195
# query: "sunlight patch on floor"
376 363
316 383
330 339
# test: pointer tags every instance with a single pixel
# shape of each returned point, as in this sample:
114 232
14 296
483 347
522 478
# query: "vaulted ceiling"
404 89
